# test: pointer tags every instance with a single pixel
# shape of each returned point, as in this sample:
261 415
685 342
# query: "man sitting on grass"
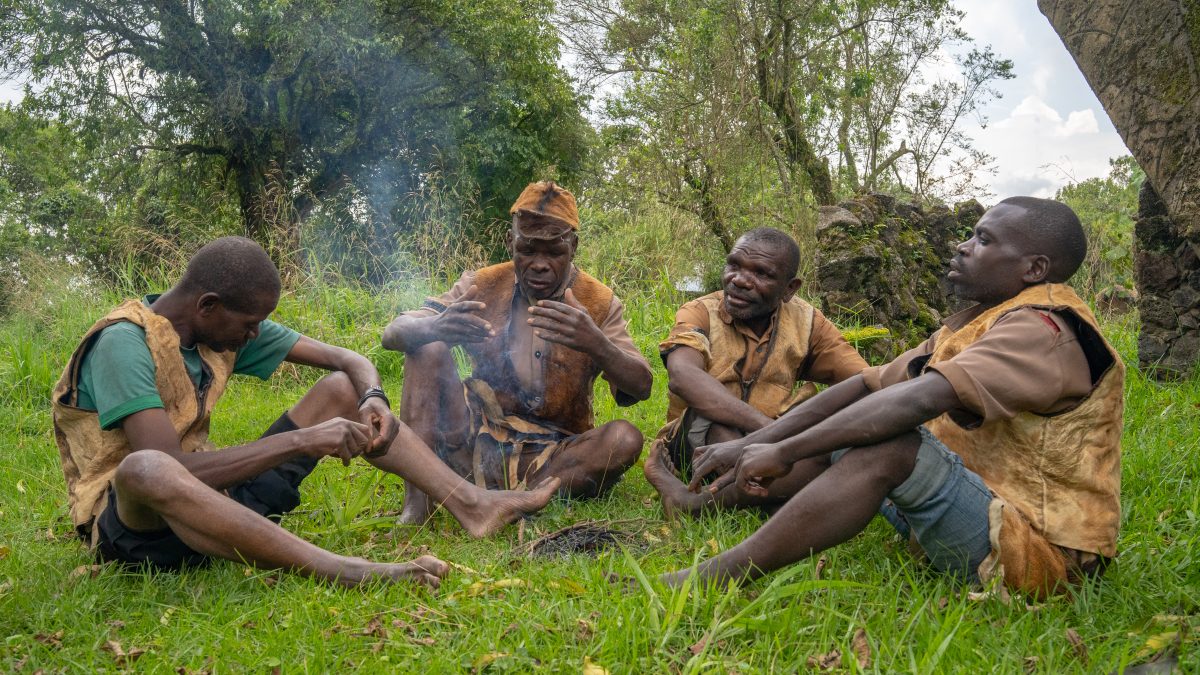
131 417
996 443
738 359
538 332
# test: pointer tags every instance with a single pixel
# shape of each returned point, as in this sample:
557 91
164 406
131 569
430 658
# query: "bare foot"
417 508
676 498
426 570
491 510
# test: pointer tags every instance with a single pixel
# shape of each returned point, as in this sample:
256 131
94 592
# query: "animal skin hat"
547 211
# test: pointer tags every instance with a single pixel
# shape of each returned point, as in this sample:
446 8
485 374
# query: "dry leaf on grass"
374 628
862 648
699 646
826 661
122 657
584 630
1081 651
1031 664
1157 643
424 642
50 639
85 571
484 660
822 563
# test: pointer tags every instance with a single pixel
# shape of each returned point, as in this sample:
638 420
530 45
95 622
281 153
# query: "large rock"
1167 271
883 263
1142 58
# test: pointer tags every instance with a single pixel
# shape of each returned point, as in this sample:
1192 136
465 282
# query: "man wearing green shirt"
131 417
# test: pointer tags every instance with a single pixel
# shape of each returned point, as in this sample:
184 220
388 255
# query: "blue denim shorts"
944 505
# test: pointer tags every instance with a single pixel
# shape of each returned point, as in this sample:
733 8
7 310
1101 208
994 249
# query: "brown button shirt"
1029 361
830 358
526 348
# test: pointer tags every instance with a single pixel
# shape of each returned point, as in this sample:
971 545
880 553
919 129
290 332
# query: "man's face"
542 264
223 329
754 280
992 266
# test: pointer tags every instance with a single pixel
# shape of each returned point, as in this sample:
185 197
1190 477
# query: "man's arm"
704 394
721 458
460 322
151 429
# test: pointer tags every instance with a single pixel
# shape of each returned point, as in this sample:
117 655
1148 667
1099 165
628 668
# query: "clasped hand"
752 467
347 439
567 323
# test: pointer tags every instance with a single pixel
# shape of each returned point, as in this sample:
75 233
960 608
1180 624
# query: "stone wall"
883 263
1168 278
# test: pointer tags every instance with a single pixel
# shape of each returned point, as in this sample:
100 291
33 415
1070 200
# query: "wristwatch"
374 392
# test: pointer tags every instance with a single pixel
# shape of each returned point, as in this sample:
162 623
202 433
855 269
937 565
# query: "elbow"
392 339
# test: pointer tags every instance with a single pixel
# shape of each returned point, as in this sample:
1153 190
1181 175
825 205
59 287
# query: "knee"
146 473
895 459
625 440
428 355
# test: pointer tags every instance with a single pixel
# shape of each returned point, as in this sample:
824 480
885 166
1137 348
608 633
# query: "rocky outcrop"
1142 58
883 263
1167 266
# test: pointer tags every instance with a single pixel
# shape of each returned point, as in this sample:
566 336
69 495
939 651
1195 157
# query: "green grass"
562 613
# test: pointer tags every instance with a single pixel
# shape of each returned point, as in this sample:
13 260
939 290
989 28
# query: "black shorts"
270 494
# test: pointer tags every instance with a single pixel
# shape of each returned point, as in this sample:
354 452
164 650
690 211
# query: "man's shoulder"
492 274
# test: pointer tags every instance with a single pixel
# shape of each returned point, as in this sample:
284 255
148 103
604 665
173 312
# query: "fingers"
725 480
388 428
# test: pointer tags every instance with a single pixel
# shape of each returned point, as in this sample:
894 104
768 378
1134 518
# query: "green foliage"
1107 207
282 108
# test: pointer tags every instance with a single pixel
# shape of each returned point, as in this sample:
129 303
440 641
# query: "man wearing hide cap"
538 331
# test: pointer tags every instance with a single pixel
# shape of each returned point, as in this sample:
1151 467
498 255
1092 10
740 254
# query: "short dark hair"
237 269
1052 229
782 242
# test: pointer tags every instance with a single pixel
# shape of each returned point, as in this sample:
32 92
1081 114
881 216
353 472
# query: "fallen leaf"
1157 643
116 624
50 639
122 657
425 641
484 660
569 585
85 570
862 648
943 602
699 646
21 486
590 667
4 551
822 562
1163 514
50 536
249 625
375 628
1081 651
521 532
651 538
826 661
1031 664
481 587
584 630
713 546
463 568
166 616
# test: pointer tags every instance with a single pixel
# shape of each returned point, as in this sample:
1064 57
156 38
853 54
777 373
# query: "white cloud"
1036 117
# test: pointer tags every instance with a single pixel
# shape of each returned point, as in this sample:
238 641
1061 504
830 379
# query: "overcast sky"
1047 130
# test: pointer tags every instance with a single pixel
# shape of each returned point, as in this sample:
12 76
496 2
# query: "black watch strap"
374 392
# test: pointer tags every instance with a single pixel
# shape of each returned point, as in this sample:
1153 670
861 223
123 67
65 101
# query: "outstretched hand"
567 323
462 321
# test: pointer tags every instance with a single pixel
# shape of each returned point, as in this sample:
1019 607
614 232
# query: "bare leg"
594 461
154 489
481 512
834 507
432 405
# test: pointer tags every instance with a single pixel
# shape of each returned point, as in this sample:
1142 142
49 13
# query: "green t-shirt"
116 377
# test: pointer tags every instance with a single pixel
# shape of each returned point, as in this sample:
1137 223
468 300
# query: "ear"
508 241
792 287
207 303
573 240
1039 267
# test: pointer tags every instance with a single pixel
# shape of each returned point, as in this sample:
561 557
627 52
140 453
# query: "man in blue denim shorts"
995 444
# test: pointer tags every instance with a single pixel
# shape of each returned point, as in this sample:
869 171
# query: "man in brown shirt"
738 359
995 445
538 332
